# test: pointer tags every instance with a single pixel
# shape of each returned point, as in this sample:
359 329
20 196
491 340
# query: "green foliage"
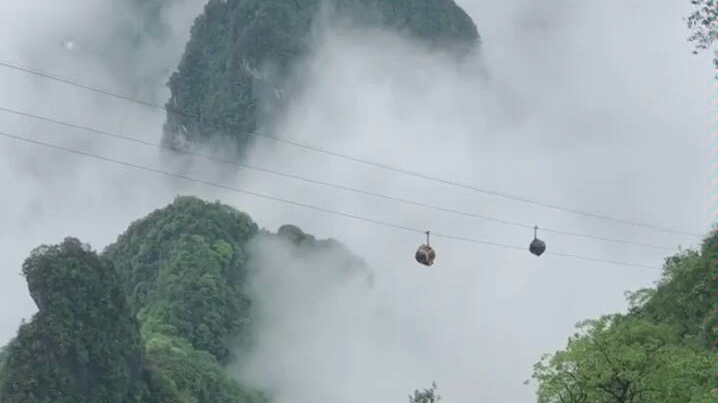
710 328
240 55
426 396
655 353
193 297
83 345
184 267
3 358
183 374
621 360
703 23
682 297
140 252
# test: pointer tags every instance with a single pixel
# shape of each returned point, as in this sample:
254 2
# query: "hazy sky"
596 106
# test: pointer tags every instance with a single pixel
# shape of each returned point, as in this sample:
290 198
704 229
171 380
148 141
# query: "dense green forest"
234 74
153 318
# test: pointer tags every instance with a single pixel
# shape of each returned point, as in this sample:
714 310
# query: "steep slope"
233 73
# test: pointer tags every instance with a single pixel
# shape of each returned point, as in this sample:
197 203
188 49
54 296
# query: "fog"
592 106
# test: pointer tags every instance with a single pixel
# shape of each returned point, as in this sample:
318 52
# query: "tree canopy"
662 350
703 23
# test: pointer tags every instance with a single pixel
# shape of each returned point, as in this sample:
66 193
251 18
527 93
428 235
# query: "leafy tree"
683 297
426 396
704 24
623 359
710 253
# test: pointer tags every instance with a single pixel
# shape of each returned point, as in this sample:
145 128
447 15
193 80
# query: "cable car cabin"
537 246
425 254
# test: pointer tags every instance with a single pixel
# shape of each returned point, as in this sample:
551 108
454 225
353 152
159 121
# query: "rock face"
241 51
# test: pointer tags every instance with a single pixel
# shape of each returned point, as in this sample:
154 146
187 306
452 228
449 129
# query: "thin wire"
308 206
304 179
358 160
78 85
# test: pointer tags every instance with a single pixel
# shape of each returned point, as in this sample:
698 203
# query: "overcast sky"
595 106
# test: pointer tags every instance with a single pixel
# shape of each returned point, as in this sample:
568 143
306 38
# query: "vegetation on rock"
234 71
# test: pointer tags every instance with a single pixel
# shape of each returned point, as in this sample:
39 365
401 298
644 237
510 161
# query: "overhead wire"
337 186
305 205
357 160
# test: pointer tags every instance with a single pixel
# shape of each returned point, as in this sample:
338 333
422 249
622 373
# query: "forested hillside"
662 350
153 318
234 71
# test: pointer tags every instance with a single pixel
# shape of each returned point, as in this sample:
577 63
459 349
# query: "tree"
623 359
426 396
682 297
704 24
